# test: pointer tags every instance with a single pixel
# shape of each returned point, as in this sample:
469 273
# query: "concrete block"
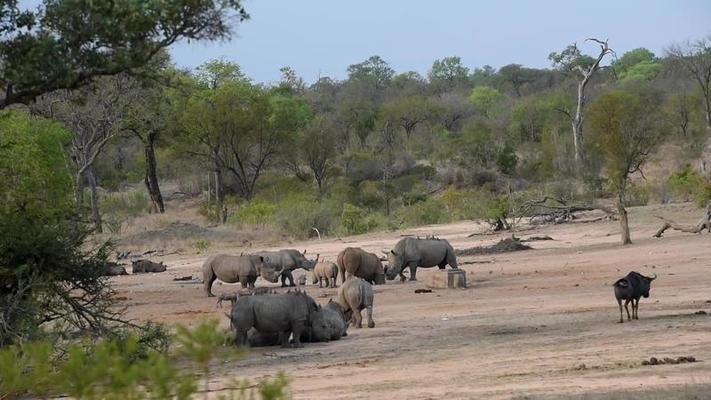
446 279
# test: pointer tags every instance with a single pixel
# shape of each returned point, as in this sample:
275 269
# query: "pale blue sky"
323 37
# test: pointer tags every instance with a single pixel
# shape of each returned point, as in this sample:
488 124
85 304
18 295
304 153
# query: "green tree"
624 128
65 43
46 274
374 70
516 76
639 64
485 99
407 113
448 73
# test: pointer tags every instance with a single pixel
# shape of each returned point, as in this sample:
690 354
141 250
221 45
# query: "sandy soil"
538 322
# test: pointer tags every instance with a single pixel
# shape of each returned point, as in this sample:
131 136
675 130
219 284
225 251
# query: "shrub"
688 183
355 220
112 369
427 212
254 213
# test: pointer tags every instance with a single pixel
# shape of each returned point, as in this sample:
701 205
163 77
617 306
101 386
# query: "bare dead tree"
695 57
94 116
583 75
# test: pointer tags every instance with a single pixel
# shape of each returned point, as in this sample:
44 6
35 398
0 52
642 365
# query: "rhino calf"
355 295
630 289
283 314
325 270
145 266
232 269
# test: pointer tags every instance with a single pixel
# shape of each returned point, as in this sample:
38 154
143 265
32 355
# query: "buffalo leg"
635 308
369 314
619 303
628 310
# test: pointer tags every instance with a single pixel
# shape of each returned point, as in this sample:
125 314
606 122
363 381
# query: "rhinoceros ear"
393 251
385 252
304 253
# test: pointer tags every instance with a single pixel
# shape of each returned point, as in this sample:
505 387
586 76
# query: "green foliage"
485 99
255 213
355 220
624 128
688 184
66 43
448 73
374 70
109 369
638 64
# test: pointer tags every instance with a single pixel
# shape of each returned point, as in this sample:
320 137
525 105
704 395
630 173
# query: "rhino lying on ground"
325 270
415 252
232 269
355 295
113 269
286 261
354 261
281 314
327 324
144 266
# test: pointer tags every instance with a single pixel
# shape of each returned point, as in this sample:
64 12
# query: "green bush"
118 207
637 195
355 220
114 369
430 211
688 184
254 213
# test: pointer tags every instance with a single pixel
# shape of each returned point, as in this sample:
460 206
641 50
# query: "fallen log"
704 223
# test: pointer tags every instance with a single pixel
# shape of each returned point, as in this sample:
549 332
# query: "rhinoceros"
327 324
325 270
355 295
415 252
231 269
287 260
282 314
145 266
355 261
113 269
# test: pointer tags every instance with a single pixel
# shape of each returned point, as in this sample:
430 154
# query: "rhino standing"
355 295
415 252
325 270
282 314
357 262
287 260
232 269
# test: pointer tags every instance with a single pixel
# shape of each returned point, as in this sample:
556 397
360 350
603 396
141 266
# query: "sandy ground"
538 322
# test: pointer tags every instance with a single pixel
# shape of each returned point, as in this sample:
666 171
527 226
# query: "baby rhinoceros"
145 266
355 295
282 314
630 289
325 270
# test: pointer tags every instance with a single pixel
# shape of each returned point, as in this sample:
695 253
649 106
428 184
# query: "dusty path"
536 322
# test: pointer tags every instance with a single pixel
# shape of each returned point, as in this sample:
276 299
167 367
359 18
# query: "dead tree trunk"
95 213
704 223
151 178
576 119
